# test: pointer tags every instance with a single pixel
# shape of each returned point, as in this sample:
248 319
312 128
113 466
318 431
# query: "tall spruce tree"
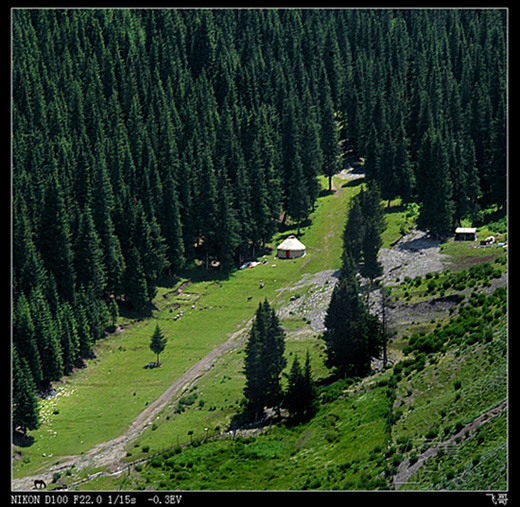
329 134
352 336
54 238
264 361
373 226
88 260
25 413
301 396
24 338
434 185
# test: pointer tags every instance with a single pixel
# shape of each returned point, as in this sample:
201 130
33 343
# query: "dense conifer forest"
144 141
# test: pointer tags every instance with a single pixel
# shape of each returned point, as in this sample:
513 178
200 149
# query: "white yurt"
290 248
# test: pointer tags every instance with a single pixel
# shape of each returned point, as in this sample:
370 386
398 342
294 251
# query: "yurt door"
287 254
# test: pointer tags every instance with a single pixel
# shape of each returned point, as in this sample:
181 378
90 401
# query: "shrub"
431 434
396 460
156 462
345 466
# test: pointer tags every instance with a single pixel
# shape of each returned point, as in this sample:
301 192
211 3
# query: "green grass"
346 445
308 456
400 219
100 401
479 460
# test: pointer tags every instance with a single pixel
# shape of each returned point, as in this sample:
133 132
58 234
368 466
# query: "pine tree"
24 339
296 197
158 342
264 361
353 232
434 185
352 336
312 158
294 399
329 136
46 337
135 284
69 338
273 357
373 226
28 268
88 263
301 396
54 238
171 225
152 248
82 323
227 236
309 388
103 208
25 413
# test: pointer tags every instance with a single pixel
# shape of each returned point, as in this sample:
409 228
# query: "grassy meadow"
97 403
364 428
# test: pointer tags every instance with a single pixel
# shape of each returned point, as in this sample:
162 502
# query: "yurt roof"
291 243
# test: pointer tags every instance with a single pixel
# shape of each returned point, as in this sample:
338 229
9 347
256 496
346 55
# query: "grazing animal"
39 484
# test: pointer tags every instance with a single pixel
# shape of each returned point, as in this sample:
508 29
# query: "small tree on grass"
158 342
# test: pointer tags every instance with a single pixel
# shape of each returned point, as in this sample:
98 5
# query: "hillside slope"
437 424
436 420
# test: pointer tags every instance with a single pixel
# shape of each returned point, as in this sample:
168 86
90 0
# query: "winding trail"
110 453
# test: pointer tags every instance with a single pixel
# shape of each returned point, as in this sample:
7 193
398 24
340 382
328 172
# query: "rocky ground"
413 255
309 298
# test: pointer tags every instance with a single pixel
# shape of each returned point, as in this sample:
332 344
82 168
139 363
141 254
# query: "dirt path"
405 470
110 453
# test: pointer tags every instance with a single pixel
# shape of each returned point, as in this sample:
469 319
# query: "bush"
396 460
156 462
431 434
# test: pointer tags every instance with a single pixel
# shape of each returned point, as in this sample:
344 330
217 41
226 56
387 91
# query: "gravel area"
309 297
415 254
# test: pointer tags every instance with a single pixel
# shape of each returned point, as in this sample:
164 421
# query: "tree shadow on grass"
21 440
